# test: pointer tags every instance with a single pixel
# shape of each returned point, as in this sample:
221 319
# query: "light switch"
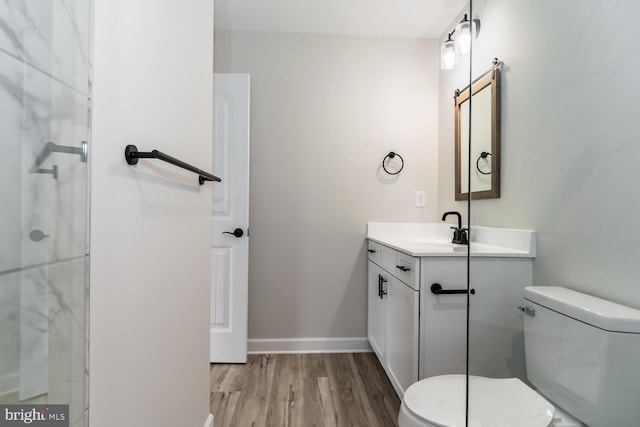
421 199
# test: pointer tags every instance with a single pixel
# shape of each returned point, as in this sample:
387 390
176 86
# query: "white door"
230 252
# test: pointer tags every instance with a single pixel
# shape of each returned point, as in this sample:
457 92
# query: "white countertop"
434 239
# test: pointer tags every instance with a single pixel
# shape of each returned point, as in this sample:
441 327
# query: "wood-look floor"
303 390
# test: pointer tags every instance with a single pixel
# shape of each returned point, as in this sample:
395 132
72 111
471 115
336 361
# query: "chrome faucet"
459 233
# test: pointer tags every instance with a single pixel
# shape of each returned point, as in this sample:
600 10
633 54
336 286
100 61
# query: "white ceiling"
384 18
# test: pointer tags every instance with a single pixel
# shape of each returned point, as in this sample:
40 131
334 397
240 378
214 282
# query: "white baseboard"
309 345
9 383
209 421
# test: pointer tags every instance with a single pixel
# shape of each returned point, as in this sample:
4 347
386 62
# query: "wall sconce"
461 45
448 53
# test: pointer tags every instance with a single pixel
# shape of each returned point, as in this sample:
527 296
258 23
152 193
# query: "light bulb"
447 55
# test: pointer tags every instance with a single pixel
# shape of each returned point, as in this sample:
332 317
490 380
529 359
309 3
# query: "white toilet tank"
583 353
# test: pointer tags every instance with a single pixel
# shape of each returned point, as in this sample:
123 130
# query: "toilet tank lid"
594 311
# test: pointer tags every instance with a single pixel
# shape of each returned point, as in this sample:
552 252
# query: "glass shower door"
570 138
44 123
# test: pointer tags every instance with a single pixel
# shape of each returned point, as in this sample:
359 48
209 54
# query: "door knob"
237 232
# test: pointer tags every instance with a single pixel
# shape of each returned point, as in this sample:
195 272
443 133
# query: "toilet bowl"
596 382
441 401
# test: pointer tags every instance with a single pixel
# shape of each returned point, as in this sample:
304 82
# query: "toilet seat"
504 402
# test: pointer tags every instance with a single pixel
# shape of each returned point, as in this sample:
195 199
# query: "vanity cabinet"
418 334
393 313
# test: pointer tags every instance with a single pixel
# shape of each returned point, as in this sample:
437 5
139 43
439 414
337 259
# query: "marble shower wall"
49 35
44 98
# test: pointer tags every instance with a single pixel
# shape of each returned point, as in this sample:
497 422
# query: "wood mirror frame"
489 80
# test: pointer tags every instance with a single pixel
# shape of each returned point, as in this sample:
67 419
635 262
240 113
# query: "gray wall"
570 138
325 110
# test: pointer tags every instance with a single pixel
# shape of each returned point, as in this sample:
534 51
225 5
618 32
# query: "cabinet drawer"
373 249
403 266
406 268
388 258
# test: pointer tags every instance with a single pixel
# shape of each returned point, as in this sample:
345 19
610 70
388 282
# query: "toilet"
582 356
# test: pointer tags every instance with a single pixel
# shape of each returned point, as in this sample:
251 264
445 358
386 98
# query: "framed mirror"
484 150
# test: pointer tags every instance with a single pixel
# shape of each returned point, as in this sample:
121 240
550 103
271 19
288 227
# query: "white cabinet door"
402 335
444 317
377 312
496 335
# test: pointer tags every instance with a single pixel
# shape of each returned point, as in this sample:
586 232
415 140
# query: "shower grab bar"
436 288
131 155
52 147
